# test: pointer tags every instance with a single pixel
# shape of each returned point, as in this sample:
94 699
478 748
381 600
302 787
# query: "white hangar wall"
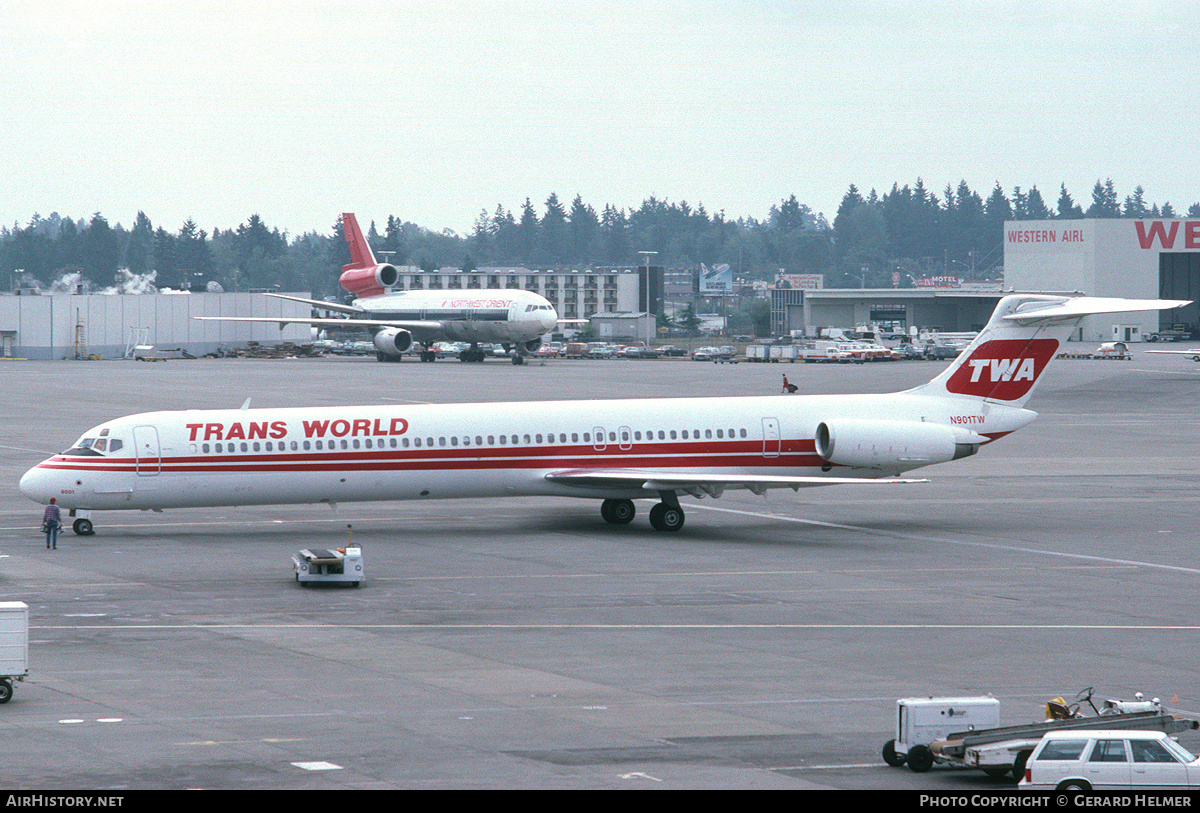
44 326
1140 259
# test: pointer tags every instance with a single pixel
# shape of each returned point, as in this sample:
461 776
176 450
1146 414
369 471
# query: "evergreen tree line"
908 230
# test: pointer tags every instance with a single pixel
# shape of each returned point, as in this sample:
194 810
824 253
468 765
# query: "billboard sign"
716 280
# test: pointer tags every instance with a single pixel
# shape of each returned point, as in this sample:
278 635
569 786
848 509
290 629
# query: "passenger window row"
598 437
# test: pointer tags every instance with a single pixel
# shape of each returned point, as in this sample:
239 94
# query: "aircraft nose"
550 319
34 485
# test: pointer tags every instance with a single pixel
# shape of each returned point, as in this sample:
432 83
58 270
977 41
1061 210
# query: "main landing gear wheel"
83 527
518 359
665 517
617 512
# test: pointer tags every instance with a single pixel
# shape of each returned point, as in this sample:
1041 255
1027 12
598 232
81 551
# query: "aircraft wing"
420 330
1195 352
700 484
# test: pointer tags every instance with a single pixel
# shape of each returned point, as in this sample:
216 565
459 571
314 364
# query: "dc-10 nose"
549 318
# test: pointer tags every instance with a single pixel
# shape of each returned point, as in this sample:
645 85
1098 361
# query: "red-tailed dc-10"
510 317
616 451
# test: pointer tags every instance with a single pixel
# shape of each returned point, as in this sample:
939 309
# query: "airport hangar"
74 325
1139 259
61 325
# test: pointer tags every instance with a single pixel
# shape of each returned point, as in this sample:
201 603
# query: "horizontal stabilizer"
321 304
1053 310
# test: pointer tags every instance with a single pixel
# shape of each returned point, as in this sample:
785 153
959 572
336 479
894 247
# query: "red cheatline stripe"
653 456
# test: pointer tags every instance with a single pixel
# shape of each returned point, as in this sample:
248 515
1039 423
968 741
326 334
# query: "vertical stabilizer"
1006 360
361 255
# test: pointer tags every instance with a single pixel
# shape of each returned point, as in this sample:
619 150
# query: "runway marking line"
917 537
932 626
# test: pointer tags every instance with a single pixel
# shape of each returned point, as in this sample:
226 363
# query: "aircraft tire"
664 517
83 527
618 512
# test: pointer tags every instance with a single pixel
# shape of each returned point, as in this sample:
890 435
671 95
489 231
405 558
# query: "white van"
1096 759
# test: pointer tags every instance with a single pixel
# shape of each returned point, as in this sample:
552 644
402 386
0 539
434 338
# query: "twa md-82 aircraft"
615 451
513 318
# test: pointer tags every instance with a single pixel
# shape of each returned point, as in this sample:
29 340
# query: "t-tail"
1007 359
363 276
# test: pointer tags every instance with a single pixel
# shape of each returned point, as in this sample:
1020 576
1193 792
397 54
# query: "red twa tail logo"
1005 369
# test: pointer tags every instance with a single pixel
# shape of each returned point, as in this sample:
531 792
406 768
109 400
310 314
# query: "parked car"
704 354
941 351
727 353
1099 759
671 350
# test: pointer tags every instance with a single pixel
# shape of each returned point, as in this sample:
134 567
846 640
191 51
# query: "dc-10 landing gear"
666 516
472 354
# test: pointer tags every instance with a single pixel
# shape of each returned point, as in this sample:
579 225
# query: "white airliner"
617 451
511 317
1193 354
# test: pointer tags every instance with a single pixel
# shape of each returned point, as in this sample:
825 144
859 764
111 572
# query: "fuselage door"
146 450
770 437
599 444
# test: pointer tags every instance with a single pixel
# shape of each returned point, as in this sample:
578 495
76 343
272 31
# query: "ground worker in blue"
51 522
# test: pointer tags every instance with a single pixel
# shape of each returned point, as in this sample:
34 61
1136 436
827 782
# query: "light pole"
646 255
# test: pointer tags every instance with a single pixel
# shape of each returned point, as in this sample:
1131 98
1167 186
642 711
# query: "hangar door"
1179 278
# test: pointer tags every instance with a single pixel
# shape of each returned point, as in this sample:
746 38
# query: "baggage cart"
333 566
14 646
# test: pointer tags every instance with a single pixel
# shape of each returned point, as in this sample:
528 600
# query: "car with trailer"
965 732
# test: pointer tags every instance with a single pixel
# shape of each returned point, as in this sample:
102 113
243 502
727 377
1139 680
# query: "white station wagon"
1087 759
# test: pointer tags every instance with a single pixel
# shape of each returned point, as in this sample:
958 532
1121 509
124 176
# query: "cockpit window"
92 445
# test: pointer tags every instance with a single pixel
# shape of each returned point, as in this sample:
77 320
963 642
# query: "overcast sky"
434 111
